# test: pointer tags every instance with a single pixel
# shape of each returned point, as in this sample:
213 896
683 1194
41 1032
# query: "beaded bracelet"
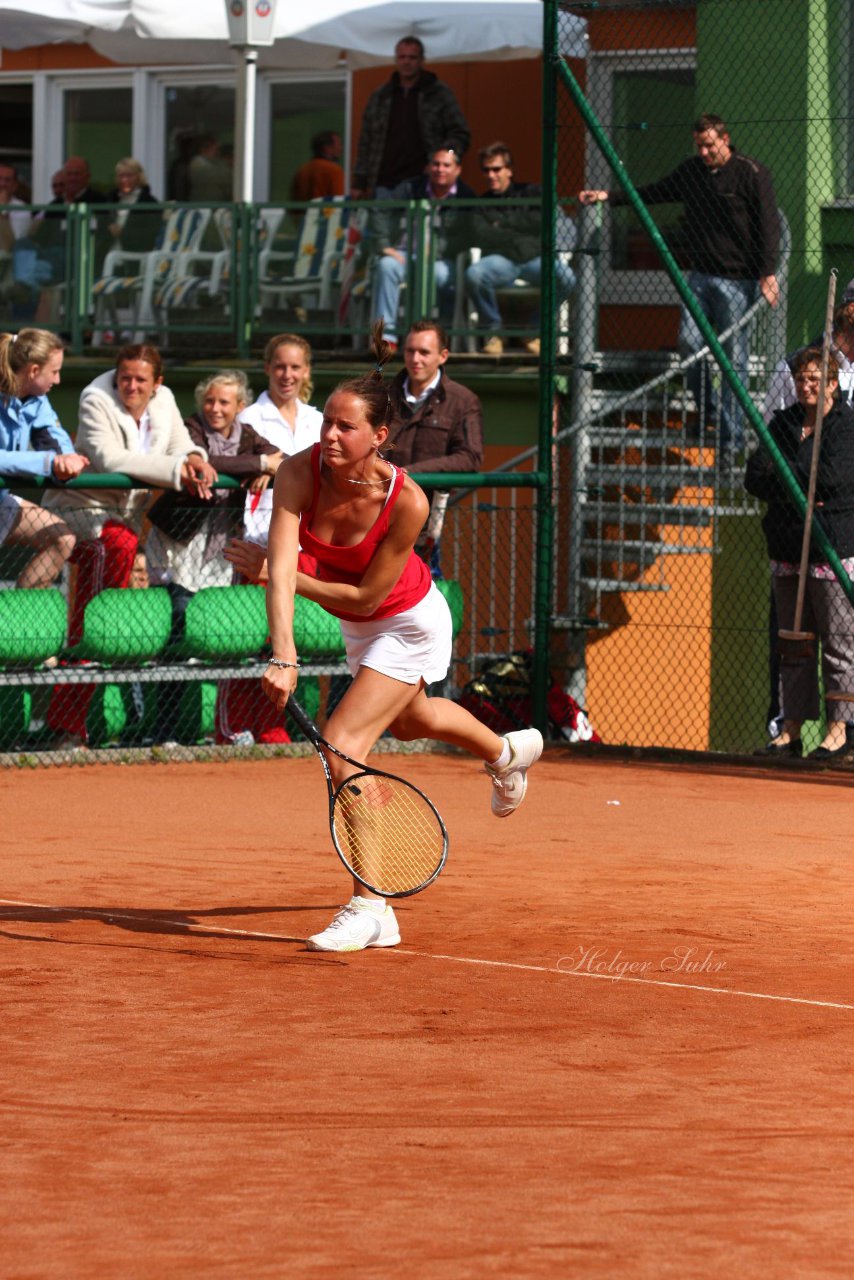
277 662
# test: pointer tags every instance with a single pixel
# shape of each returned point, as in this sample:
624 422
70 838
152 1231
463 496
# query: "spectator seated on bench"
128 423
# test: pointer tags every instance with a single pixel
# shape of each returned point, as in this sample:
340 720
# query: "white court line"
191 927
643 982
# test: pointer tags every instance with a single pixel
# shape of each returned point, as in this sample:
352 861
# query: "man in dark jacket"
436 425
732 231
450 232
508 236
403 122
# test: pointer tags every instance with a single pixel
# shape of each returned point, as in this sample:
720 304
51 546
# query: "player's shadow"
189 923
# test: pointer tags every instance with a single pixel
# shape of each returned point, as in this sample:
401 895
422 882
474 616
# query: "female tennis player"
359 516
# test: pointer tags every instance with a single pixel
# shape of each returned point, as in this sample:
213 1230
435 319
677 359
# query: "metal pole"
244 168
544 551
583 367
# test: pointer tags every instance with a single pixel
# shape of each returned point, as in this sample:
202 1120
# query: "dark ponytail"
371 387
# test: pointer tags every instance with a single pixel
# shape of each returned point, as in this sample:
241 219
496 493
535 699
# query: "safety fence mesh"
149 642
708 143
717 145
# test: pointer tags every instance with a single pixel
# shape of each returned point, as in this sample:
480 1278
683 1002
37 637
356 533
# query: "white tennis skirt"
410 646
10 508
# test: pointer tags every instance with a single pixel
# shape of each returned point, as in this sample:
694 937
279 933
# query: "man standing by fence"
732 232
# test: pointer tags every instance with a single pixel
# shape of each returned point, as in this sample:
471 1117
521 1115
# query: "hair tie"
14 337
378 368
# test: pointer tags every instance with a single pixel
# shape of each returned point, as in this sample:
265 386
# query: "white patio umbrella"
309 37
23 24
318 36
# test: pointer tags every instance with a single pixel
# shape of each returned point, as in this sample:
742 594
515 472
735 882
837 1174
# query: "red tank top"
349 564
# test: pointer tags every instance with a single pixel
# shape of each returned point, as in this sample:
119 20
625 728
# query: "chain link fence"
224 278
148 642
703 151
715 142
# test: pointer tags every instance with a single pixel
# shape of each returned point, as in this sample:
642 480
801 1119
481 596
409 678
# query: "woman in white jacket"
131 424
128 423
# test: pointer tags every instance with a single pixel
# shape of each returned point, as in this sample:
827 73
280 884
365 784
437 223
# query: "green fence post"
544 550
77 267
422 259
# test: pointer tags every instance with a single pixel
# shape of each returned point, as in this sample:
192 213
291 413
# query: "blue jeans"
724 302
389 275
496 272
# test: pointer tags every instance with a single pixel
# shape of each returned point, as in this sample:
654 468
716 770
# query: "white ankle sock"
504 758
368 904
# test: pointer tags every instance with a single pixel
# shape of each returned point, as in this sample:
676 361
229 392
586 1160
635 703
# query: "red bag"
499 696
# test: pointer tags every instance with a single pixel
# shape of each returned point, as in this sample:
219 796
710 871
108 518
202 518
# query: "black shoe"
783 749
828 753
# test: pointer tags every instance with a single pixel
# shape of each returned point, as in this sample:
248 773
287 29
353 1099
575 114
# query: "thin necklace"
371 482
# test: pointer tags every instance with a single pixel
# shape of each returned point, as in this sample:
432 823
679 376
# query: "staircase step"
603 585
629 548
649 438
680 477
622 513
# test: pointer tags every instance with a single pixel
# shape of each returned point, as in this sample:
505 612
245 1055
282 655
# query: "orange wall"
638 328
500 100
53 57
623 29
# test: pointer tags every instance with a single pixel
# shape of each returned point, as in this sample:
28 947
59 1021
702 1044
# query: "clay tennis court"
187 1091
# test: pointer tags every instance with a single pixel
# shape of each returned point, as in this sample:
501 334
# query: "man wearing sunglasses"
508 236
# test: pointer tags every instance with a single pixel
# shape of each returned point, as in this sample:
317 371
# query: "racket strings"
388 833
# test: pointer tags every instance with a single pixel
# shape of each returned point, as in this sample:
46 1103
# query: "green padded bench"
453 593
32 629
122 626
231 623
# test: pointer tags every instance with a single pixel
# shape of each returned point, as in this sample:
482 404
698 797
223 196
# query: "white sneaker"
510 783
355 927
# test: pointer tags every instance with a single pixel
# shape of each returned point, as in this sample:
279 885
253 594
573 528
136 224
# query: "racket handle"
302 720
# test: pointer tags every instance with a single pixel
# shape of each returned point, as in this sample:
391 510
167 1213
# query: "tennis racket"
385 831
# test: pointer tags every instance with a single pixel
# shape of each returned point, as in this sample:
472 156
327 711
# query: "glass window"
652 113
16 133
199 142
97 126
300 109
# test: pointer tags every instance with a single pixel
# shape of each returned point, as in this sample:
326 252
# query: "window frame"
148 85
266 81
646 288
51 101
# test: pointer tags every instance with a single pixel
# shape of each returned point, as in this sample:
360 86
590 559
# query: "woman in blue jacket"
33 445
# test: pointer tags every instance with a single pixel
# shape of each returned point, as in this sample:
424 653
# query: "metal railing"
225 277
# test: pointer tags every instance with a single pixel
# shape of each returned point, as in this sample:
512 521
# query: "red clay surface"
186 1091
